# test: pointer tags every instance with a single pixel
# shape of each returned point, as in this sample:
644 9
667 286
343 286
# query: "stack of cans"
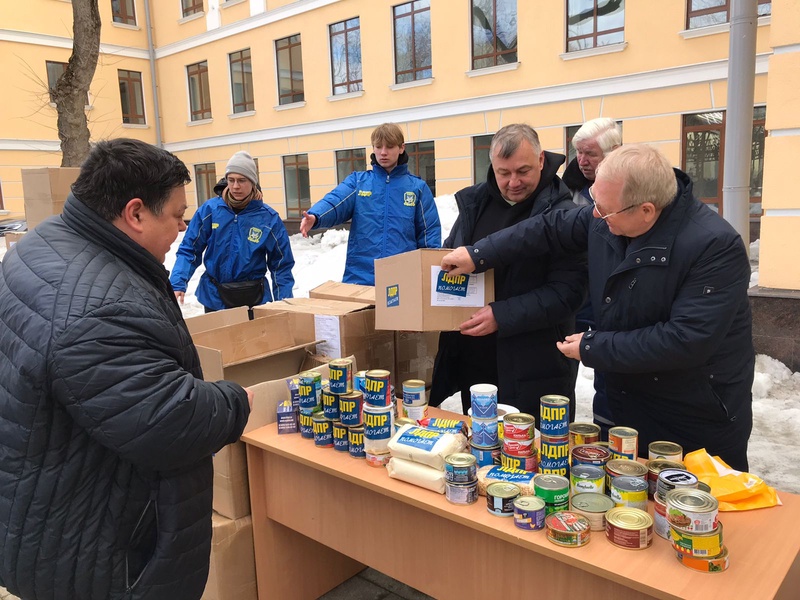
461 478
695 531
554 425
668 480
378 416
485 442
519 450
309 398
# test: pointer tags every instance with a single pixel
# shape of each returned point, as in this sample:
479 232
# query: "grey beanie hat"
243 164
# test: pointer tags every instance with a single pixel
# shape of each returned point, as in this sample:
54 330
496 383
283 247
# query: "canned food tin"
691 510
485 456
414 393
415 412
670 479
554 457
350 408
629 491
340 375
594 507
554 490
568 529
554 416
483 398
523 463
378 428
703 486
590 454
624 441
355 440
460 468
519 447
323 431
398 423
519 426
360 381
629 528
461 493
660 517
697 544
587 479
340 441
654 467
484 432
622 466
500 498
583 433
378 388
529 513
665 451
330 405
377 460
309 389
716 564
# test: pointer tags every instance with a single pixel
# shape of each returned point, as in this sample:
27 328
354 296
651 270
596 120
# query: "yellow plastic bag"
734 490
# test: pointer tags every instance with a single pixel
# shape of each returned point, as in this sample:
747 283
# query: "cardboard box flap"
316 306
217 319
305 346
244 341
348 292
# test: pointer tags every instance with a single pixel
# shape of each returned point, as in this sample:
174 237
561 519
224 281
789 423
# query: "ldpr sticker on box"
393 295
459 290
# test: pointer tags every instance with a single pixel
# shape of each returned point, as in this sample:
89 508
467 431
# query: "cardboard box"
231 482
12 238
407 298
415 354
347 292
232 568
45 190
217 319
346 328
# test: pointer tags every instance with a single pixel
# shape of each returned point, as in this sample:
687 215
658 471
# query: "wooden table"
320 516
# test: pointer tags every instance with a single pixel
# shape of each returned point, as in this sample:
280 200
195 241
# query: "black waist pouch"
240 293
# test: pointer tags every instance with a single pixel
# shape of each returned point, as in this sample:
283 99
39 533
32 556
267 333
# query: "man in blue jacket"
668 279
391 211
237 237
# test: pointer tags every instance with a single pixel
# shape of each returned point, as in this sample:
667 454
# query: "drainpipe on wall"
152 52
739 117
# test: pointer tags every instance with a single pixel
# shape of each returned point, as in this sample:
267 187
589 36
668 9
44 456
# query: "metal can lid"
657 465
460 459
356 429
678 477
632 519
370 408
623 432
404 421
590 452
703 486
554 400
413 383
310 374
502 489
625 466
341 362
529 503
665 448
584 428
591 502
626 483
318 417
521 419
567 521
550 482
690 499
586 472
378 373
360 374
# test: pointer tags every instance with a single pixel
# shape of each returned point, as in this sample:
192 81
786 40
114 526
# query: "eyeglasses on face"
600 214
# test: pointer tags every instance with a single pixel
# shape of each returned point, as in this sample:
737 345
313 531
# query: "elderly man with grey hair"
668 280
592 142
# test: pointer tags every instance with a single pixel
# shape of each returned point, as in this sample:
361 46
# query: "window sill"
290 106
193 17
200 122
135 126
411 84
346 96
228 3
126 26
246 113
688 34
608 49
491 70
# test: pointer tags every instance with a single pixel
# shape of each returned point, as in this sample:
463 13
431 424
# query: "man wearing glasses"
668 281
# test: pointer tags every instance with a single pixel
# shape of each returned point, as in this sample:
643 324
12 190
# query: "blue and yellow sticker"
393 295
254 235
409 199
455 285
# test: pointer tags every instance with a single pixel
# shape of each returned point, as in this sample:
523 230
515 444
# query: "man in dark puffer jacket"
106 426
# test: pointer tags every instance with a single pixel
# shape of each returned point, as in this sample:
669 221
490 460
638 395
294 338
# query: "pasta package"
425 446
421 475
492 473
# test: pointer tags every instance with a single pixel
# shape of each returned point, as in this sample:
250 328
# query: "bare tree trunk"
73 86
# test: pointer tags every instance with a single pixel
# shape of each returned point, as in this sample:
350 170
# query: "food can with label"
415 412
716 564
323 431
629 528
622 466
522 463
554 456
484 432
483 398
519 426
330 405
554 490
460 467
654 467
351 406
309 390
629 491
660 517
414 393
306 418
594 507
377 459
355 441
485 456
670 479
568 529
340 440
665 451
583 433
519 447
398 423
554 416
500 498
587 479
624 442
340 375
590 454
529 513
378 428
691 510
696 543
461 493
378 388
360 381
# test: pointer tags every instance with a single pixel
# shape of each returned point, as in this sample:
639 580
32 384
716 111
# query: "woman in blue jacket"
237 237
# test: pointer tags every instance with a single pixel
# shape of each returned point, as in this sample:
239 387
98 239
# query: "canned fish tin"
415 412
484 432
529 513
554 490
698 544
378 428
414 393
483 397
350 408
587 479
583 433
691 510
716 564
376 459
519 447
330 405
340 441
461 493
590 454
519 426
660 517
340 375
398 423
500 498
323 431
309 389
568 529
355 442
654 467
360 382
378 388
460 468
629 528
485 456
622 466
670 479
523 463
624 441
554 457
665 451
307 424
554 416
629 491
594 507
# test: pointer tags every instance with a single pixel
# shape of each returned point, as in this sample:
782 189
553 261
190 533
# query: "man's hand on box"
481 323
458 262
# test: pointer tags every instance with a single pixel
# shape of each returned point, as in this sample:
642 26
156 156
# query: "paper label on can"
378 426
554 420
412 398
509 475
375 393
419 437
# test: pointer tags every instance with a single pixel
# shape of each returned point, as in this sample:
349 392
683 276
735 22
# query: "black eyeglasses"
601 215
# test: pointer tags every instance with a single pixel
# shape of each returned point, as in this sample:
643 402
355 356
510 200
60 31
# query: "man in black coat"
511 342
668 281
106 425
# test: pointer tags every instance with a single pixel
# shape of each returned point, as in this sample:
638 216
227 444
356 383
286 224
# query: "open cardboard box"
45 190
347 292
232 566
